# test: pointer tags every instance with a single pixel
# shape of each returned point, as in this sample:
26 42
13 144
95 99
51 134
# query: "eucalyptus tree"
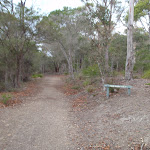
130 59
17 34
104 16
64 28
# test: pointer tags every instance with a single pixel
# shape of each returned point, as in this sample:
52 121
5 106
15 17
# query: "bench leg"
107 94
129 91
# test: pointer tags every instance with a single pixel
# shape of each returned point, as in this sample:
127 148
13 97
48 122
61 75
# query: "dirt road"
41 123
50 121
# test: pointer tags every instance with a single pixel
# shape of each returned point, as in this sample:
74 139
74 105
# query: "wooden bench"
117 86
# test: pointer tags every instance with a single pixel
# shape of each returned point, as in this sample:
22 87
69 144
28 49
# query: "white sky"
47 6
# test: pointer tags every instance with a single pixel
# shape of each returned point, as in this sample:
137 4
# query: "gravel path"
41 123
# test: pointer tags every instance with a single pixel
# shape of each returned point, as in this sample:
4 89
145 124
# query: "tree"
130 51
117 51
63 27
16 36
104 15
142 9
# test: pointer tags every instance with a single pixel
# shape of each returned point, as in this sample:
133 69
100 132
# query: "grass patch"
76 87
147 84
90 89
37 76
5 98
86 83
146 75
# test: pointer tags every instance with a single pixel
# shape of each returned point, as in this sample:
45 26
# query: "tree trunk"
70 68
18 71
102 75
106 59
112 65
130 52
149 27
6 77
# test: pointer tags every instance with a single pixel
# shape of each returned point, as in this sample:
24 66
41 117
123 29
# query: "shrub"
6 98
146 75
66 73
37 76
76 87
91 71
86 83
112 90
147 84
90 89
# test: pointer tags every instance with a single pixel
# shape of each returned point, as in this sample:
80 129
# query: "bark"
70 65
6 78
18 72
112 65
56 65
149 25
117 66
130 51
102 75
69 59
106 59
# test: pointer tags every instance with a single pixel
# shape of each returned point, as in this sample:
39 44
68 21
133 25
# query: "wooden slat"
118 86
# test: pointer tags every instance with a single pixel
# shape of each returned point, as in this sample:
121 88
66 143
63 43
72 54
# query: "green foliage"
76 87
6 98
90 89
66 73
140 9
111 89
146 75
147 84
91 71
86 83
37 76
142 59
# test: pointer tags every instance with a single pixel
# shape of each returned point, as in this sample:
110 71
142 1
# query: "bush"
146 75
90 89
76 87
37 76
86 83
147 84
91 71
66 73
6 98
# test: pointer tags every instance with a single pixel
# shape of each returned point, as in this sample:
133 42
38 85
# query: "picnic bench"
117 86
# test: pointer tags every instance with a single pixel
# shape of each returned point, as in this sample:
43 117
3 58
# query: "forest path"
41 123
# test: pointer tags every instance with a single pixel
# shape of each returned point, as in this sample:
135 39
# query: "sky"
47 6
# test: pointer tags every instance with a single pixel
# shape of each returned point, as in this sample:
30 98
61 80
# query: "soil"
52 120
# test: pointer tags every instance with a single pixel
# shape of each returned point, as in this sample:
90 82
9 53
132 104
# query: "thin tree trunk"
6 77
106 59
130 52
112 65
70 66
102 75
117 66
149 26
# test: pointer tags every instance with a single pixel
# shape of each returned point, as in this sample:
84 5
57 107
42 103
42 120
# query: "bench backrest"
118 86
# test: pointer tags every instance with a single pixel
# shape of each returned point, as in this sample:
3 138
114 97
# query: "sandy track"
41 123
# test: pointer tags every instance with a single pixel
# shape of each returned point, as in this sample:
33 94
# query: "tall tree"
130 51
64 28
17 33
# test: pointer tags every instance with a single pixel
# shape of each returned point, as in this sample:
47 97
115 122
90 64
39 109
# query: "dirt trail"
41 123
